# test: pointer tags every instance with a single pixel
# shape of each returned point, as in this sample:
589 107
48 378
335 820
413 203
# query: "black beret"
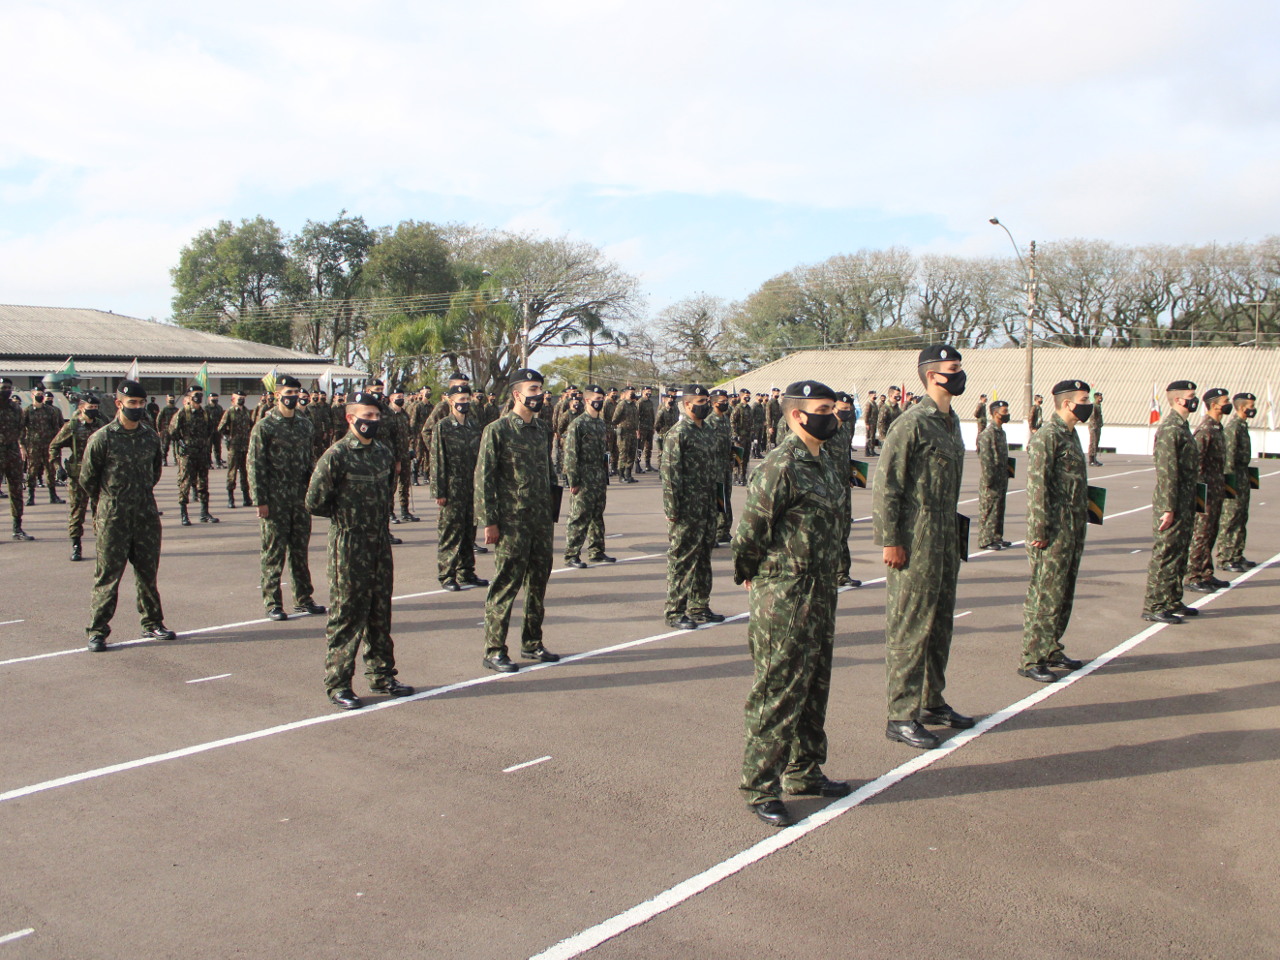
593 388
130 388
524 375
5 382
937 353
1181 385
398 388
718 392
843 397
1244 396
995 405
694 390
458 388
284 380
459 375
1069 386
194 388
1214 394
809 390
376 383
89 398
366 398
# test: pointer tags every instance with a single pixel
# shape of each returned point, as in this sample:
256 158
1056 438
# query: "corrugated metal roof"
34 332
1124 376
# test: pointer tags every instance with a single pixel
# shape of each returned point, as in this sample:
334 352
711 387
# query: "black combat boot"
53 495
31 496
75 549
231 499
19 533
186 520
205 515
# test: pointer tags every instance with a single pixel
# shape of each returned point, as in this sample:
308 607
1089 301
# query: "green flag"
858 473
1202 498
269 381
202 377
69 370
1097 504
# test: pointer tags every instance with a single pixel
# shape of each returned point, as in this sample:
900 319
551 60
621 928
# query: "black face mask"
1248 414
289 402
533 403
399 403
366 428
597 404
303 401
821 426
197 398
953 383
1083 411
699 411
722 406
90 412
5 394
576 406
133 413
1002 418
1193 404
462 408
844 415
240 402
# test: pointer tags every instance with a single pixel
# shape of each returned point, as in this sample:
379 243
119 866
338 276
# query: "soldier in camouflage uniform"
890 410
215 413
514 477
1036 418
569 409
40 423
121 466
993 478
191 433
980 414
1057 516
648 416
611 401
689 466
1173 507
626 420
351 485
668 416
740 422
586 470
419 410
455 447
11 455
786 546
840 451
722 480
322 420
74 437
234 428
917 487
1211 442
871 422
163 419
1095 431
396 424
1235 513
280 460
440 410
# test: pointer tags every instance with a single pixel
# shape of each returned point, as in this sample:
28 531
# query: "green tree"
327 261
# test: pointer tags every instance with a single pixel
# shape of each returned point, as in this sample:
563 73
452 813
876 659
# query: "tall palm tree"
589 324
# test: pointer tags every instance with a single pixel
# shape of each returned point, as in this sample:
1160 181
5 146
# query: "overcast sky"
707 146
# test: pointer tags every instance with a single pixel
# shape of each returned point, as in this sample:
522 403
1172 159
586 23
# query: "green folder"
858 473
1013 468
557 499
1202 497
1254 479
1230 484
962 535
1097 505
722 497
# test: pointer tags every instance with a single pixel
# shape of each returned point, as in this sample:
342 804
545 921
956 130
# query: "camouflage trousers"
287 530
791 636
644 448
611 447
586 521
361 579
456 535
238 472
626 446
217 446
1204 535
1234 527
120 540
991 500
1050 596
165 443
689 565
1168 565
79 506
870 438
400 483
11 473
522 559
1094 437
38 466
742 463
724 517
193 474
920 606
846 528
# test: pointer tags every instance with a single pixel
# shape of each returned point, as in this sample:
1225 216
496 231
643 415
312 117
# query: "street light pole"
1028 328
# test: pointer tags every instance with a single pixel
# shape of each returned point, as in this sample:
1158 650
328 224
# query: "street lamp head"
994 220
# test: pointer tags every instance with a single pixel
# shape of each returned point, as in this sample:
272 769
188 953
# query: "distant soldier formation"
498 465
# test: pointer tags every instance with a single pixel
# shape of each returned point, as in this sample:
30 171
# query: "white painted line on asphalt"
17 935
1135 551
592 937
527 763
965 614
219 676
612 536
5 623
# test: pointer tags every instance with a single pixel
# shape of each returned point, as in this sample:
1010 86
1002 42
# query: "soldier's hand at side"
746 585
1166 520
895 557
491 533
441 501
1038 544
264 511
574 490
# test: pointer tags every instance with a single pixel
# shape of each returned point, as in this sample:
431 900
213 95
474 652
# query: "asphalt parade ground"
201 798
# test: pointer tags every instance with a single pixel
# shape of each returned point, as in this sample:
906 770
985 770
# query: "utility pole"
1028 328
524 346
